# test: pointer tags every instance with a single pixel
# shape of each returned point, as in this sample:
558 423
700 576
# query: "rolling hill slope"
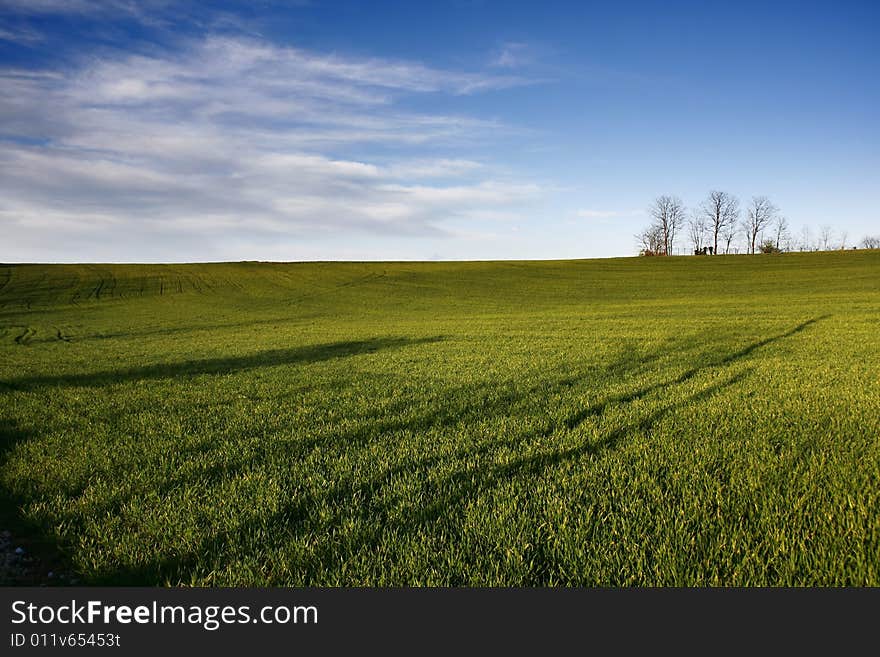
627 421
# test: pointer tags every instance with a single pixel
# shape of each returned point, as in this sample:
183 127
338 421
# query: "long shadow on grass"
475 474
376 516
449 496
598 409
156 332
457 407
42 550
228 365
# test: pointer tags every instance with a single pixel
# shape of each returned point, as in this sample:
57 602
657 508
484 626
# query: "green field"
676 421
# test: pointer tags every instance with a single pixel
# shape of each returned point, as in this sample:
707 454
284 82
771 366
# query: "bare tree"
826 235
697 227
668 213
651 240
871 242
760 215
727 234
782 236
806 239
719 210
843 238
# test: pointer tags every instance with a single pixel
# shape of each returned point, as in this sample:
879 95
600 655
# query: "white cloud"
134 7
512 55
229 139
606 214
20 34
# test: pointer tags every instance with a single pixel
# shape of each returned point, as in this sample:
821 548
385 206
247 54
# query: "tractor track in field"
27 336
105 287
317 294
96 292
112 285
204 281
367 278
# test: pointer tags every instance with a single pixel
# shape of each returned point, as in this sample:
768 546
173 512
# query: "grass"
675 421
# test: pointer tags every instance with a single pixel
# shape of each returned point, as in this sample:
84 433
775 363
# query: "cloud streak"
512 55
606 214
230 138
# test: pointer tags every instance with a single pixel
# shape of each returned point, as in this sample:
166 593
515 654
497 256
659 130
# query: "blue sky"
171 131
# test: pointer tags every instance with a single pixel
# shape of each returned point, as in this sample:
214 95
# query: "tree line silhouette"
717 225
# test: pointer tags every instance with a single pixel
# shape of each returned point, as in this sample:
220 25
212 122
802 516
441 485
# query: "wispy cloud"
232 138
20 34
513 54
606 214
134 7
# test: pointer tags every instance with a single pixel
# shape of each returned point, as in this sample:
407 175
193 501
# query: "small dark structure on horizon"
706 250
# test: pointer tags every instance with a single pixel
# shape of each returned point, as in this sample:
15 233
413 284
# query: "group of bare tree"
668 215
827 239
713 227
